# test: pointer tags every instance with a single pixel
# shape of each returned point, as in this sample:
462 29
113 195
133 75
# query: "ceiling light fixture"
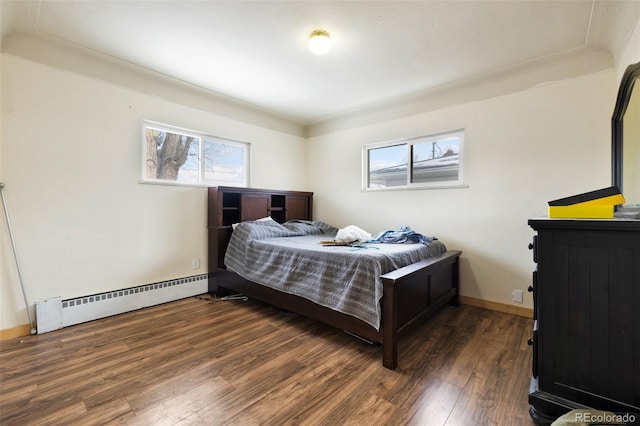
319 42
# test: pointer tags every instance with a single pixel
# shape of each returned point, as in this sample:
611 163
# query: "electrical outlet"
516 296
195 263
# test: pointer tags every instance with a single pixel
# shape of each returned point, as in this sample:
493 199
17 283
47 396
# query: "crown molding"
570 64
58 53
61 54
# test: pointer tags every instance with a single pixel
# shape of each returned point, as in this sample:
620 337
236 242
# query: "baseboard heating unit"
53 314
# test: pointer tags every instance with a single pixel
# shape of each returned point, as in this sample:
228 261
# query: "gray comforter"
291 258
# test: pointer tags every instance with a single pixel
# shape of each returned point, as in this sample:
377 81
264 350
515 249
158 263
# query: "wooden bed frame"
411 294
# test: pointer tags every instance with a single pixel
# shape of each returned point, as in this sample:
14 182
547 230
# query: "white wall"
71 162
521 150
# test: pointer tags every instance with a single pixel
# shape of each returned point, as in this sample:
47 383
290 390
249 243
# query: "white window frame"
202 182
409 143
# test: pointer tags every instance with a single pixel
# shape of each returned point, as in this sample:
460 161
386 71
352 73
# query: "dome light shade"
319 42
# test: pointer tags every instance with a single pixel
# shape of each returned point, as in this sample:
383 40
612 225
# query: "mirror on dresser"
626 140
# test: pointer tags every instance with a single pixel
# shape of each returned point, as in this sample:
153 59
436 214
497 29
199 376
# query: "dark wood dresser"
586 337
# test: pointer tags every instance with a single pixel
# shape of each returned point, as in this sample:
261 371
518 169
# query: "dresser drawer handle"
530 342
530 246
530 289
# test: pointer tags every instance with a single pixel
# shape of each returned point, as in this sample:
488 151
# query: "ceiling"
255 51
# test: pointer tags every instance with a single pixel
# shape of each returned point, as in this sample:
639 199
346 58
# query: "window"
436 162
175 155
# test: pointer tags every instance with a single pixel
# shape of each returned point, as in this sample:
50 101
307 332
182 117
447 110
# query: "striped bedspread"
291 258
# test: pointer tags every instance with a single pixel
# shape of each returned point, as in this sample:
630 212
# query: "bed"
378 292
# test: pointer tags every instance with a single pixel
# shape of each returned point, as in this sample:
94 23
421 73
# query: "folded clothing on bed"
402 235
351 234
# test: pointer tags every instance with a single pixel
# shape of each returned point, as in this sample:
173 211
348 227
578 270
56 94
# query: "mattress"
292 258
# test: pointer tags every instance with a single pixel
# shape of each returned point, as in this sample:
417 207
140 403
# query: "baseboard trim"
25 329
54 314
18 331
497 306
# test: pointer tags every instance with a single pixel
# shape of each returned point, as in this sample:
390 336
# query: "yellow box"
582 211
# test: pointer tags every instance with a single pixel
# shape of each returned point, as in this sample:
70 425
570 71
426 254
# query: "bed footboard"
414 293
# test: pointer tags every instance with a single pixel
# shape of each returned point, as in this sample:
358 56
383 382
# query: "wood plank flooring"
200 361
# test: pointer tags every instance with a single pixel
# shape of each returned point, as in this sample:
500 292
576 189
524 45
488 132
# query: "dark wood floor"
201 361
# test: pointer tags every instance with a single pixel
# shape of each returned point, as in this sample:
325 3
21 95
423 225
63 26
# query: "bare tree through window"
189 157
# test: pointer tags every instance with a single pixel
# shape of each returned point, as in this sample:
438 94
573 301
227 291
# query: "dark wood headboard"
229 205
